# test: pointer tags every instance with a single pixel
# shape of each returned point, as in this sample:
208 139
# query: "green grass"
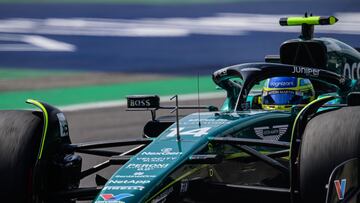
98 93
108 92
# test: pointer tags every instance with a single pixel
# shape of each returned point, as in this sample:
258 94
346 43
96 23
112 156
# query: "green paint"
97 93
19 73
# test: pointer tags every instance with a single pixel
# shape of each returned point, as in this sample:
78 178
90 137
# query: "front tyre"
20 135
329 139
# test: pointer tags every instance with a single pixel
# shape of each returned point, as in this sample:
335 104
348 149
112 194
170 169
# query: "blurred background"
76 52
85 56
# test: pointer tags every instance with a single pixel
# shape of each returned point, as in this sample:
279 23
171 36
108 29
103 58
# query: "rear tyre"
20 135
329 139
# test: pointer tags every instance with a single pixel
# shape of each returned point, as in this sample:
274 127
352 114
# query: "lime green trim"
332 20
313 20
298 116
243 154
177 180
231 156
46 121
236 155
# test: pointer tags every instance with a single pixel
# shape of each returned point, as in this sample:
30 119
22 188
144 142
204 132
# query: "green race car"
248 151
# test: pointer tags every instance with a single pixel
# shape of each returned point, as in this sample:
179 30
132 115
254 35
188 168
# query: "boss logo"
307 71
143 101
140 103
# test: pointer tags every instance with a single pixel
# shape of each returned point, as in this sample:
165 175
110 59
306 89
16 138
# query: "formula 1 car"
240 153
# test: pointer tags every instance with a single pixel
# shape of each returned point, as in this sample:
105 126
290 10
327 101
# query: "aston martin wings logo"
271 133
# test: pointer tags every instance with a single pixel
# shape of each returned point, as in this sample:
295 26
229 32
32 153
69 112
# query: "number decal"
195 132
173 132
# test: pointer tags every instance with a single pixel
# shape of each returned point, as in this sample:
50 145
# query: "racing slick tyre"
20 134
329 139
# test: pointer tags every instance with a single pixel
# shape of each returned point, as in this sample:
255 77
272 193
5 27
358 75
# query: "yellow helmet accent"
281 93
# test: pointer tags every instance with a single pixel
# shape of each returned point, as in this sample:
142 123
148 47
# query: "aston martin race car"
241 152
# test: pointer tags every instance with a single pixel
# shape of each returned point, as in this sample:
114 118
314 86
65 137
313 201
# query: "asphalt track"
181 51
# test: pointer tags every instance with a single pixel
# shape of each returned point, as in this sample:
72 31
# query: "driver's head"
280 93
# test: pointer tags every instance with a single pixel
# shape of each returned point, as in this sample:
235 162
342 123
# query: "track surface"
181 39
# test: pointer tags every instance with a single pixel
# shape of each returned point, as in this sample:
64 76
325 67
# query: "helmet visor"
281 97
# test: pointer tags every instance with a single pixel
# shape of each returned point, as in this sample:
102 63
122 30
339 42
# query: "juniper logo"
306 71
352 71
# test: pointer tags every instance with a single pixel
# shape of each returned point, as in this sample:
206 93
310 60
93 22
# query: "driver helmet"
281 93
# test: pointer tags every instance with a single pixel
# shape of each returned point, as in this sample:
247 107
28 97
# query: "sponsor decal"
205 121
126 187
111 197
163 152
139 103
156 159
136 175
271 133
282 82
250 69
306 71
340 188
146 167
143 101
64 128
279 92
352 71
135 182
184 185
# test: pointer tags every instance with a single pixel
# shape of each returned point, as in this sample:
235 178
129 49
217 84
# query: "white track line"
48 44
33 43
233 24
120 103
